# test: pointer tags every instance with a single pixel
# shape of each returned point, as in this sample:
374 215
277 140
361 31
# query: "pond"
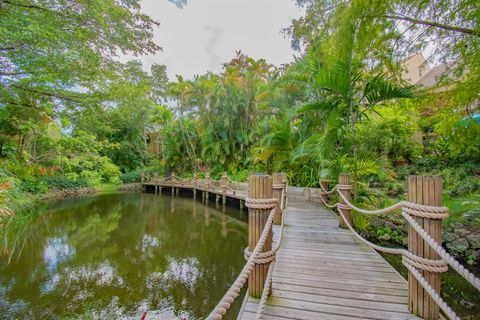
114 256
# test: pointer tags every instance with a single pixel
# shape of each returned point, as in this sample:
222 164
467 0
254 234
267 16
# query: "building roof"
417 71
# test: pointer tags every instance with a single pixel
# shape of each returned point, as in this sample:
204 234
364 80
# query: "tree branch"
434 24
11 73
8 48
32 6
47 93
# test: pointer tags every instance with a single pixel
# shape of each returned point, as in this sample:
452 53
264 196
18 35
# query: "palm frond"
380 89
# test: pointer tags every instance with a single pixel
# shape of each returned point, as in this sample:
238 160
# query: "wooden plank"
322 283
340 301
323 272
337 292
295 306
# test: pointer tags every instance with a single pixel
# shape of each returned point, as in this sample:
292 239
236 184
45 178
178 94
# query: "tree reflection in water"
117 255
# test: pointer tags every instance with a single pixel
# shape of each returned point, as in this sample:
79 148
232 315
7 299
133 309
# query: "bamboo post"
345 187
277 194
285 186
224 187
260 187
426 190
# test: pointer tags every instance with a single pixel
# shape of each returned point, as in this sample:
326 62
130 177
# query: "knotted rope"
410 209
411 261
268 279
234 291
254 257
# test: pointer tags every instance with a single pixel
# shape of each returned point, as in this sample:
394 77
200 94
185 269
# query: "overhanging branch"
433 24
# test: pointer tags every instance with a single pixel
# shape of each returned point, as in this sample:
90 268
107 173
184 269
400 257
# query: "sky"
199 35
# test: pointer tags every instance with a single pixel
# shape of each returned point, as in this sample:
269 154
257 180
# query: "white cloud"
199 35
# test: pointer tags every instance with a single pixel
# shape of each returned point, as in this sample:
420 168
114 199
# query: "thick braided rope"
331 206
431 292
266 290
234 291
419 262
325 192
416 209
268 256
470 277
263 204
437 266
269 277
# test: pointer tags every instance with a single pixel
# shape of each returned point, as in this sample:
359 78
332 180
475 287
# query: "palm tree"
349 93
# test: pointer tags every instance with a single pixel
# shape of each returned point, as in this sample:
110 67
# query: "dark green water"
114 256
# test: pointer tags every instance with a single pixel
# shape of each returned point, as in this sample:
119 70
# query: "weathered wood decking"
322 272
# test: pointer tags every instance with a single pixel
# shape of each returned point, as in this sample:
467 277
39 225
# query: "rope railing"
254 257
411 261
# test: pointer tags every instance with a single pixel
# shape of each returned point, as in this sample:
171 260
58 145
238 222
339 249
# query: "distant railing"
425 258
224 185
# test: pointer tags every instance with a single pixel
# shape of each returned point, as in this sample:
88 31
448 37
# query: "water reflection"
117 255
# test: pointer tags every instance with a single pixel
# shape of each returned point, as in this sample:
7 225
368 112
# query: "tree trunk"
354 147
21 144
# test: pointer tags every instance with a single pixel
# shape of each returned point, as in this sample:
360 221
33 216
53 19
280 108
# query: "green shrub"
109 172
395 189
131 177
92 178
33 185
64 182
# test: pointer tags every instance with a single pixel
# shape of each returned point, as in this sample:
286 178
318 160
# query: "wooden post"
207 185
345 187
224 187
307 194
285 193
260 187
277 193
426 191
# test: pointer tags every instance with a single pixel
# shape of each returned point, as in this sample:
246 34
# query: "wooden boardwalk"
322 272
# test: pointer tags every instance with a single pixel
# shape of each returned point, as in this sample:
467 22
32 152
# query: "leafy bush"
391 134
92 178
461 180
110 172
395 189
131 177
33 185
63 182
